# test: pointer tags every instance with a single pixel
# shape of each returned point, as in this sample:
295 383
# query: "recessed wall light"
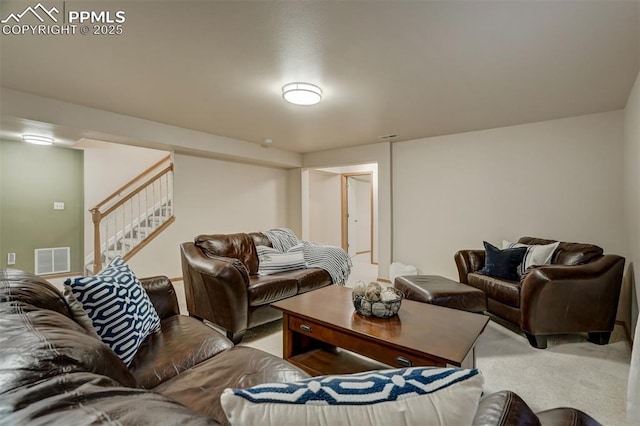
301 93
37 139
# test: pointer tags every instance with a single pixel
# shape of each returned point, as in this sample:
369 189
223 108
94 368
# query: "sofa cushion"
264 289
118 306
16 285
310 279
235 246
536 254
504 291
569 254
38 344
84 398
272 261
200 387
181 343
418 395
502 263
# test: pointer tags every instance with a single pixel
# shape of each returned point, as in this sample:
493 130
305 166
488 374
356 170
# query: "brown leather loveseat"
577 293
222 284
52 372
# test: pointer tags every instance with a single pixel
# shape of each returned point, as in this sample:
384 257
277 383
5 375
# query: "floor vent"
53 260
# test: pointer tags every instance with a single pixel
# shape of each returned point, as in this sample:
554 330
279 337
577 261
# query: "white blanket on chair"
332 259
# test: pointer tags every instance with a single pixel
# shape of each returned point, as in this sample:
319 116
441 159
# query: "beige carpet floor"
570 372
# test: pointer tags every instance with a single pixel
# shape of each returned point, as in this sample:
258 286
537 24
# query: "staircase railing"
128 219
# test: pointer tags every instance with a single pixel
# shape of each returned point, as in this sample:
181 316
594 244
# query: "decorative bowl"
379 308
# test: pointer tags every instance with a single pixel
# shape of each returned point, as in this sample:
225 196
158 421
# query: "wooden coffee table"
323 334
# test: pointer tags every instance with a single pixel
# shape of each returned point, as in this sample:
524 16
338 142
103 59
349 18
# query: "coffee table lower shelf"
320 362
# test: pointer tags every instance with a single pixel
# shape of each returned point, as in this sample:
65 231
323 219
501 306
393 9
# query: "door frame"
344 209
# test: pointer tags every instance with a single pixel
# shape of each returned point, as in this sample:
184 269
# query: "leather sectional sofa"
52 372
577 293
222 284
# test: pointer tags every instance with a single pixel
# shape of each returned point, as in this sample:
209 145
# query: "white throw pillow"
272 261
407 396
536 254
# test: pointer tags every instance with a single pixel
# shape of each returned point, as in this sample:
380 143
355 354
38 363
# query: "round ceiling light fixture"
301 93
37 139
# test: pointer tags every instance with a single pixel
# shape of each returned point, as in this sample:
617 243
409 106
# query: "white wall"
211 197
325 223
629 310
558 179
380 154
108 166
360 168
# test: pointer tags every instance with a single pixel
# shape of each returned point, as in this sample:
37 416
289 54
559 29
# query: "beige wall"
629 311
214 196
557 179
294 201
379 154
128 130
108 166
324 208
375 185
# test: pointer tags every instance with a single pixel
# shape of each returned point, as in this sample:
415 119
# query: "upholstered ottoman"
441 291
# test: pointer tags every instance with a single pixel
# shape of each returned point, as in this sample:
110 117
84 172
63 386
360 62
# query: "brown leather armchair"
222 284
577 293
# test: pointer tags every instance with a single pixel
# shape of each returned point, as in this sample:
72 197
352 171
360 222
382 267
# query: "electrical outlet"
11 258
58 205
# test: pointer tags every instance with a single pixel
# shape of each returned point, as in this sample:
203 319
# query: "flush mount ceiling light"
37 140
301 93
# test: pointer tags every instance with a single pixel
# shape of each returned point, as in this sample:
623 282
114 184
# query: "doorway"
357 214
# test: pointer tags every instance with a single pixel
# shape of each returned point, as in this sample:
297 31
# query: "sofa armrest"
216 288
162 295
468 261
566 416
504 408
571 298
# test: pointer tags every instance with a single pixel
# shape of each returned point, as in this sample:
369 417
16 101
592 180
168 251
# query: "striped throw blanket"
332 259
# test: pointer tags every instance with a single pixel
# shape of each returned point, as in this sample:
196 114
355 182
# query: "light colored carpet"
571 372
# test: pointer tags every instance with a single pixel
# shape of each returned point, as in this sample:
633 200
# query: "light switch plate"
58 205
11 258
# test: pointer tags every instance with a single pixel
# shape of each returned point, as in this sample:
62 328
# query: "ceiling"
415 69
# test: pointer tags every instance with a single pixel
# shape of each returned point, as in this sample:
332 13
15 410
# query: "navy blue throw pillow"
502 263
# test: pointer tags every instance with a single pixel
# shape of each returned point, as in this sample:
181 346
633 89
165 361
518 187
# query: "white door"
352 216
363 213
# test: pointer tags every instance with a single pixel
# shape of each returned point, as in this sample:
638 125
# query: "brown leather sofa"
577 293
52 372
222 284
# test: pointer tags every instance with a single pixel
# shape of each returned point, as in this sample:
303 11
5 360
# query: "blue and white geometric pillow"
119 307
417 395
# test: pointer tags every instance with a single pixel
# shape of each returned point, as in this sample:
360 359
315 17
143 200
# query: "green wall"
32 177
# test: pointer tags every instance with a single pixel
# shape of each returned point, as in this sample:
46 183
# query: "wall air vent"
52 260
